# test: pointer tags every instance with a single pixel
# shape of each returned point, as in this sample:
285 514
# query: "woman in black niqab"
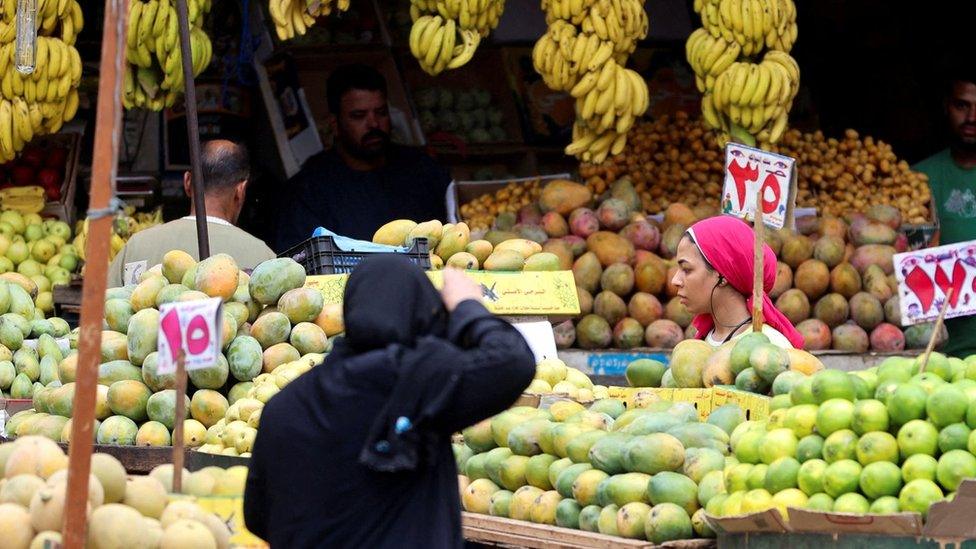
356 452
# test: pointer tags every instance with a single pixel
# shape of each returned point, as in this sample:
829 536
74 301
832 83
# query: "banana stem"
741 135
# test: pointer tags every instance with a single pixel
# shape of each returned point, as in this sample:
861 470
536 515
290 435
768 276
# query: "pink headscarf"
727 244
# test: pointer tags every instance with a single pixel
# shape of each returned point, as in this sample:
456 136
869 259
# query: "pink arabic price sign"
747 170
926 276
193 326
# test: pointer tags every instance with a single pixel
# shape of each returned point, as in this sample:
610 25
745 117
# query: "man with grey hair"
225 177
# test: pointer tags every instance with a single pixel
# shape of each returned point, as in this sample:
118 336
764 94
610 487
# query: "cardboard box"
948 522
460 193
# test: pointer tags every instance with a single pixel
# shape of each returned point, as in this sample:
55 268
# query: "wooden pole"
935 330
757 265
178 424
108 123
193 131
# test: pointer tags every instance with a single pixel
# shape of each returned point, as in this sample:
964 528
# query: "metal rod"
193 131
108 124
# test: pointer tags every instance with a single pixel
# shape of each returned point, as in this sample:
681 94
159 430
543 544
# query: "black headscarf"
395 315
389 300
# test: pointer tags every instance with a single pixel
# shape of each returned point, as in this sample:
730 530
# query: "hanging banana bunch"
41 102
446 33
584 52
154 75
294 17
742 65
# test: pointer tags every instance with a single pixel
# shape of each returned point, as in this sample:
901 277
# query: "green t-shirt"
954 199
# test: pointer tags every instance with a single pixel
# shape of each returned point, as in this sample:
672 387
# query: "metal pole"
193 131
108 124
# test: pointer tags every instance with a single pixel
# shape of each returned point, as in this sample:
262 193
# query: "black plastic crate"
321 256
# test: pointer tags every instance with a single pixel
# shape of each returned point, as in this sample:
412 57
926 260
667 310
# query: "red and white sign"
926 276
193 327
746 171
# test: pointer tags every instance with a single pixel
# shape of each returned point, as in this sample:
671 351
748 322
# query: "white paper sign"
539 337
132 271
193 326
746 170
926 276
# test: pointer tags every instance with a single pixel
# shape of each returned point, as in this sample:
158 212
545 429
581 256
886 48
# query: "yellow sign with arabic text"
515 293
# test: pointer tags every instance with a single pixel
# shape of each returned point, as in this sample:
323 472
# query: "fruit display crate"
948 522
612 363
460 193
140 460
505 532
321 255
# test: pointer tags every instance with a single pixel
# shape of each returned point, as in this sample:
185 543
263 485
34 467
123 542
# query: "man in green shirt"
952 179
225 177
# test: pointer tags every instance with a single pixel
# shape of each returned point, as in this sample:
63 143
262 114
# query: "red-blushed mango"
151 376
128 398
208 407
144 294
812 277
279 354
611 248
330 319
271 329
301 304
816 334
175 265
272 278
142 335
663 334
217 276
563 196
307 337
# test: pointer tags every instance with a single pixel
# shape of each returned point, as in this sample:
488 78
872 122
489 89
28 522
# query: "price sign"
193 327
749 170
539 337
132 271
925 278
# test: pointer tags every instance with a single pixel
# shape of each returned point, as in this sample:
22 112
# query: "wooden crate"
64 209
517 533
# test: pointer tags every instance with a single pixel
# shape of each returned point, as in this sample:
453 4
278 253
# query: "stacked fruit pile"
884 440
124 512
293 17
270 322
36 254
552 376
446 33
584 52
122 229
40 102
676 159
637 473
466 114
154 77
743 99
834 278
481 212
44 167
751 363
453 246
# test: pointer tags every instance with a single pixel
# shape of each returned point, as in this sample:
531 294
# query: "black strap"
736 329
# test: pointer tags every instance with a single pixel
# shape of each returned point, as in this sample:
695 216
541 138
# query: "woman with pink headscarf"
714 282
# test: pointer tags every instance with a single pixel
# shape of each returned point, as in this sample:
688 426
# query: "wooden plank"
542 536
140 460
517 533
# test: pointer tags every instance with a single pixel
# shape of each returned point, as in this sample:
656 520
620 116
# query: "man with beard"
364 181
952 179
